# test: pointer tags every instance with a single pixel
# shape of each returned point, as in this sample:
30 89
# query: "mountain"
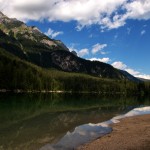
31 38
31 45
130 77
145 80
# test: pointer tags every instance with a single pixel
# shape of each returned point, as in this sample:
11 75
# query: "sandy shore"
130 134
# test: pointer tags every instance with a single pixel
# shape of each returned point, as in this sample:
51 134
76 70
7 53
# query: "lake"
30 121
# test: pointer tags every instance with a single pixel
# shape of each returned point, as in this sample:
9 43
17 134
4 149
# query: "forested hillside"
16 74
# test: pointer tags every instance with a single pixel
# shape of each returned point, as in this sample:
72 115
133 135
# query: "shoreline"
57 91
16 91
130 133
123 135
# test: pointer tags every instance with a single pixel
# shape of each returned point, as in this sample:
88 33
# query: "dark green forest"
20 75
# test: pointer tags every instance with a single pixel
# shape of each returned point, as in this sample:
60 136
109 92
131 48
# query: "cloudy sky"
113 31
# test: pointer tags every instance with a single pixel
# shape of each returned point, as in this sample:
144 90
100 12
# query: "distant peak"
1 14
35 28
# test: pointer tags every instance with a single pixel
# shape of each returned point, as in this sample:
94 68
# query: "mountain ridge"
30 44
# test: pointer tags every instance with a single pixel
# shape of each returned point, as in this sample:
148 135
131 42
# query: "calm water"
29 121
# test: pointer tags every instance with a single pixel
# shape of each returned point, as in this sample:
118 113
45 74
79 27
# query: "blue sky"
113 31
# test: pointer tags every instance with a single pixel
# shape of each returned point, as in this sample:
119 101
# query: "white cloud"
143 32
105 60
112 23
144 76
83 52
137 73
53 33
109 14
122 66
138 9
119 65
132 71
98 47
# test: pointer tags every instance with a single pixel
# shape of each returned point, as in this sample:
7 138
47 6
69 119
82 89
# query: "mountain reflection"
29 121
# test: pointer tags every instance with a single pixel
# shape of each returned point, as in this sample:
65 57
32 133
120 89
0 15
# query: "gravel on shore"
131 133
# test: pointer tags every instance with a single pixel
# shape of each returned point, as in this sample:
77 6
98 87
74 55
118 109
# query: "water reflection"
29 121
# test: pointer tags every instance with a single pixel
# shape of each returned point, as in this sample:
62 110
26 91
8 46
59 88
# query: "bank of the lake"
131 133
101 93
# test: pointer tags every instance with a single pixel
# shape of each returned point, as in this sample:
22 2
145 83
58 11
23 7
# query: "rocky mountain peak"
29 34
36 29
1 14
2 17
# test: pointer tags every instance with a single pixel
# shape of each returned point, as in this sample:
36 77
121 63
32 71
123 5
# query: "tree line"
18 74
